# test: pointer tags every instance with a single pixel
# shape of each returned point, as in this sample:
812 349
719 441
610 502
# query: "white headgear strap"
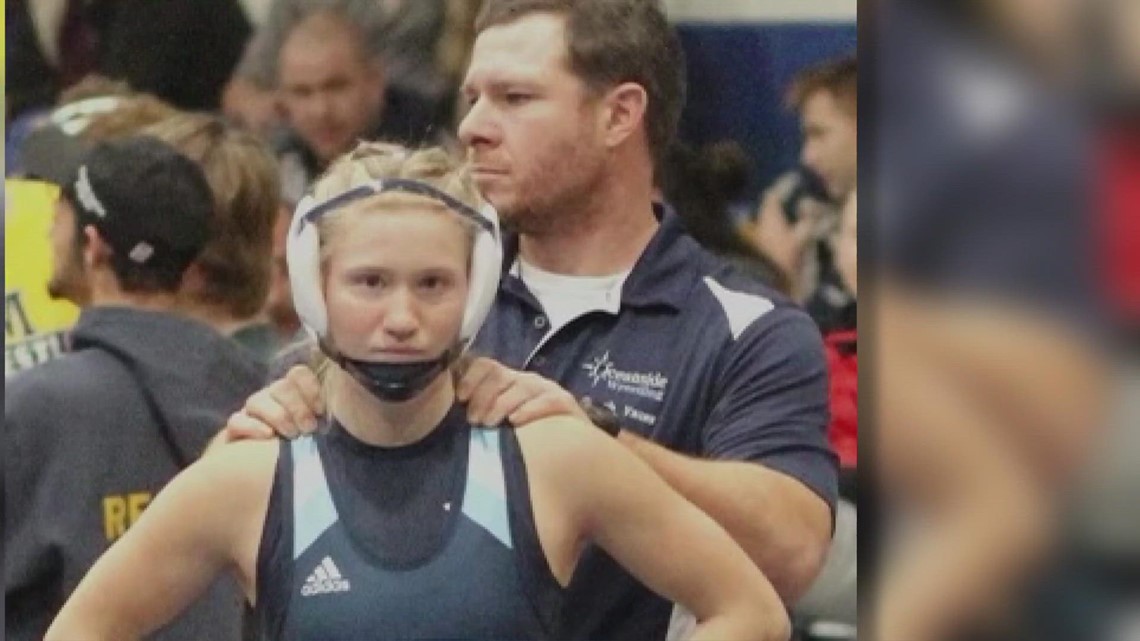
302 253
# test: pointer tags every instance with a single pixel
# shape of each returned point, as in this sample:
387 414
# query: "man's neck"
377 422
222 321
113 296
607 237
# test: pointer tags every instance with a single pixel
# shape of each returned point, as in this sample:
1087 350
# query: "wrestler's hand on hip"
494 392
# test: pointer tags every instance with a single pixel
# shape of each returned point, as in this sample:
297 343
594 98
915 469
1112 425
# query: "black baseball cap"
148 201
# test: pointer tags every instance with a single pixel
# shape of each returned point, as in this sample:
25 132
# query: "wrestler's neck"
387 424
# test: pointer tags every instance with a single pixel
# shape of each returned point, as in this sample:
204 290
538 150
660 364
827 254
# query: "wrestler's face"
396 283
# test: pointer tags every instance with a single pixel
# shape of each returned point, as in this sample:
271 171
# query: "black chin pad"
394 382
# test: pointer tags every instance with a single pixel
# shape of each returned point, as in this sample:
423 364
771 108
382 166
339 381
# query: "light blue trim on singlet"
313 509
485 497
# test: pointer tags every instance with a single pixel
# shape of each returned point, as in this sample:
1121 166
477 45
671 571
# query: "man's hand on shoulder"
494 393
286 408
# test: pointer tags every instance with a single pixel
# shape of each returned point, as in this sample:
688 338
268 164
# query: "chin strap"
392 382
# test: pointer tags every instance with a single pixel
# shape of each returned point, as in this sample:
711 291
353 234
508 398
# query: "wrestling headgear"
390 381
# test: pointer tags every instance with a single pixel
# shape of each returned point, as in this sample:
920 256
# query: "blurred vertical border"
1001 245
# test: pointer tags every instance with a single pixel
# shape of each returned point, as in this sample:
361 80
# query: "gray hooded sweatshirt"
91 437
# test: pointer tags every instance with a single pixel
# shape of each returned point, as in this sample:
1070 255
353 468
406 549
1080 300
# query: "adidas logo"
324 579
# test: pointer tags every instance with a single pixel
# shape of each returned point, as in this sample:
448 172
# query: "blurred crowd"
1002 185
317 76
262 96
311 80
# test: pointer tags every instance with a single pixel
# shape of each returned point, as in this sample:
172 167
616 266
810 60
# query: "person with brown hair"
798 212
334 90
279 304
701 185
93 435
45 293
405 34
228 283
401 519
826 98
718 382
93 111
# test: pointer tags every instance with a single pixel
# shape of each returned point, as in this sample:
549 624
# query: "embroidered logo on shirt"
649 385
638 415
324 579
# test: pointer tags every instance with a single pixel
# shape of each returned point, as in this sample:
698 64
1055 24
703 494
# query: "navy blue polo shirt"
699 358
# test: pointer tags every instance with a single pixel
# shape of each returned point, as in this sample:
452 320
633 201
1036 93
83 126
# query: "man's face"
533 133
830 143
330 93
68 276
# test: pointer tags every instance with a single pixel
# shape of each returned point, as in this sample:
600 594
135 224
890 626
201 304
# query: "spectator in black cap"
93 435
151 249
148 218
52 152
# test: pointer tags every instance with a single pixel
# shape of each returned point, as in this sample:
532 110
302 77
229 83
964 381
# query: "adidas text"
324 579
324 587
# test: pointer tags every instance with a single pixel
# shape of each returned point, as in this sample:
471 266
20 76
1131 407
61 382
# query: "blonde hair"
371 161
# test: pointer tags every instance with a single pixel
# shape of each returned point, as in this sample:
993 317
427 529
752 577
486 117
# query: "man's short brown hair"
839 77
236 262
611 42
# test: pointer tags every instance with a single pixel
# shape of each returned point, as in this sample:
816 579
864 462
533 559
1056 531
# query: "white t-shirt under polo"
564 298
